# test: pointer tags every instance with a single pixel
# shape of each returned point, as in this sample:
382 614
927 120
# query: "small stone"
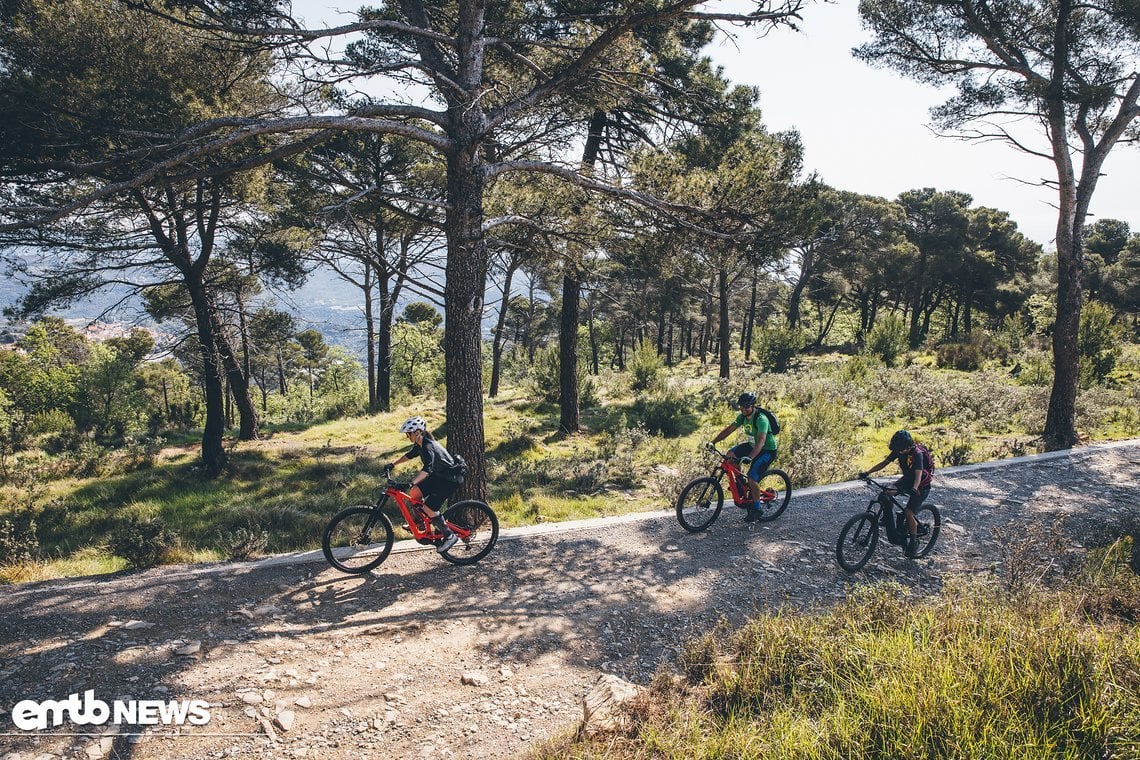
285 719
474 678
191 649
137 625
251 698
303 701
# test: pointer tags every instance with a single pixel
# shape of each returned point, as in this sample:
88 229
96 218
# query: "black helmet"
746 399
901 440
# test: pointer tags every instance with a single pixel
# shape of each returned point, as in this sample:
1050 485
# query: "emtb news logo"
30 715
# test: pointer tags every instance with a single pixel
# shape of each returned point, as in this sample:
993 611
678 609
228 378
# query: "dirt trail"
423 659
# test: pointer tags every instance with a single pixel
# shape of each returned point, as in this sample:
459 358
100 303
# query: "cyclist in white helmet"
441 473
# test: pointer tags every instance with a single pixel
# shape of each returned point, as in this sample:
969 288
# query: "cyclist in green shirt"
757 453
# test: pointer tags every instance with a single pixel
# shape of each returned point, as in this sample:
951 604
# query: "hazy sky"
867 130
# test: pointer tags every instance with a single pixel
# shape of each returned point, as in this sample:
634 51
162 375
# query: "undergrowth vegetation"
982 670
82 508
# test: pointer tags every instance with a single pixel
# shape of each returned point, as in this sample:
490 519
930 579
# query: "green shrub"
1034 368
857 369
142 542
972 353
1012 334
666 412
244 543
49 422
1098 342
545 380
778 348
646 367
19 544
820 446
963 356
888 339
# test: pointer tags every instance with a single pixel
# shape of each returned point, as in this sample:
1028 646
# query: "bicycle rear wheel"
775 492
929 526
357 539
857 542
699 504
478 528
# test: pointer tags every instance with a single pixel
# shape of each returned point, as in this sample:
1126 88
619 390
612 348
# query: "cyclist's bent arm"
879 466
760 441
725 433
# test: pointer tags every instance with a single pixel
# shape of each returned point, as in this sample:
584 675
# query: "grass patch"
972 673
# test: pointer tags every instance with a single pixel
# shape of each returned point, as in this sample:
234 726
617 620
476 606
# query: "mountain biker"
915 483
755 454
439 477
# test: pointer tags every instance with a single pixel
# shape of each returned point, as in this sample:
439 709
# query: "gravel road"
423 659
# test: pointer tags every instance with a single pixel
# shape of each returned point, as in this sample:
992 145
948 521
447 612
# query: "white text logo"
30 715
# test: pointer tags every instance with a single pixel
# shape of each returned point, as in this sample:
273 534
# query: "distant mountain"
324 303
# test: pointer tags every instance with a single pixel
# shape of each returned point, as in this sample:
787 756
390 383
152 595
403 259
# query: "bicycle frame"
728 466
414 515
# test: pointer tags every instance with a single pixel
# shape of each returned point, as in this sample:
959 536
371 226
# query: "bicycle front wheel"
929 526
775 492
699 504
857 542
478 530
357 539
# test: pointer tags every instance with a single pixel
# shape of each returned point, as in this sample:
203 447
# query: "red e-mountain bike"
359 538
701 500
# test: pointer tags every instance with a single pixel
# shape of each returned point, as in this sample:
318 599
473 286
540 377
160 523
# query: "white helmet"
414 424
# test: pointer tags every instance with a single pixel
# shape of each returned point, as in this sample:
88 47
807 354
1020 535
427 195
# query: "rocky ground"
424 659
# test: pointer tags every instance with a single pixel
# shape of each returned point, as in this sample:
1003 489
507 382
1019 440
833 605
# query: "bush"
821 444
970 354
1098 341
1034 368
646 367
1012 334
142 542
19 544
963 356
245 543
778 348
857 369
543 377
666 412
888 339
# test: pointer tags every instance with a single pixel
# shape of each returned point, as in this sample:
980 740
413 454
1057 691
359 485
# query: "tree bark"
1061 419
249 422
213 452
499 338
463 295
569 419
725 327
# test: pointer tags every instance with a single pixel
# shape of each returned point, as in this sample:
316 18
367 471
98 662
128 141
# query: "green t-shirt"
755 426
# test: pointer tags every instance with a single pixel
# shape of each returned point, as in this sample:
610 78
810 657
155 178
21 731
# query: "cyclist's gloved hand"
388 468
745 461
863 474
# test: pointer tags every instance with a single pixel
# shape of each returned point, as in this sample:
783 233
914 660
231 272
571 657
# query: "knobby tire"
357 539
475 516
778 481
699 504
857 541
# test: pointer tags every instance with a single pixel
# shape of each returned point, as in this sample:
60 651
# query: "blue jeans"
759 464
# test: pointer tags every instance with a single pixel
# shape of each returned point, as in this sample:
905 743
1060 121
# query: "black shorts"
437 489
914 501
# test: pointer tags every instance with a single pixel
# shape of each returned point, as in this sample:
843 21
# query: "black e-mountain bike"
860 536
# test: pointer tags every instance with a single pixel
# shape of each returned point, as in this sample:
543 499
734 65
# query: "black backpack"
773 423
